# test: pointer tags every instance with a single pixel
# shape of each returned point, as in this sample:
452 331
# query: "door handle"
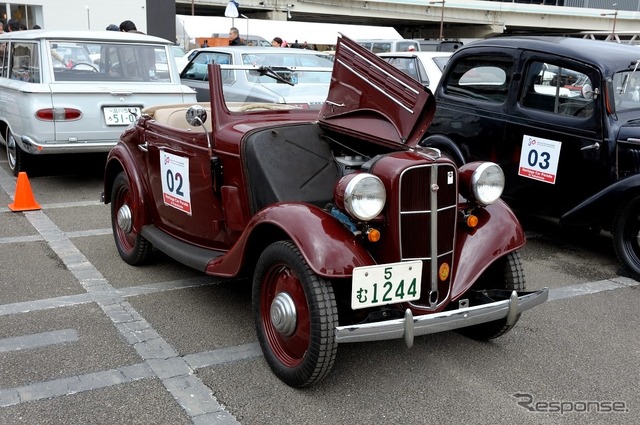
144 147
596 145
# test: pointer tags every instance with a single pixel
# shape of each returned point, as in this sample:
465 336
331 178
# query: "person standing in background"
129 26
277 42
13 25
234 37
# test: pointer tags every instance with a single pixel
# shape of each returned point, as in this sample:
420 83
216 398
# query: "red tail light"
58 114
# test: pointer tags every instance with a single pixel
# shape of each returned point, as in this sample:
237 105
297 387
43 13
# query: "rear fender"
498 233
601 208
328 247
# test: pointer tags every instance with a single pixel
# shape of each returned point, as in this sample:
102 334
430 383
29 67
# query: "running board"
189 255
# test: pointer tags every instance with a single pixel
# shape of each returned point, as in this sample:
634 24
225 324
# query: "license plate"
386 284
122 115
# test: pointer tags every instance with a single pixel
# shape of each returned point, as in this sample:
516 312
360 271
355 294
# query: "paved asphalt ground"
87 339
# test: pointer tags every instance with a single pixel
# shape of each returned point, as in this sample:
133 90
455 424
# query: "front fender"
601 208
119 159
447 146
328 247
498 233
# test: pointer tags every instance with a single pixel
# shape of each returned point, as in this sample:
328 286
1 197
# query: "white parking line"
43 339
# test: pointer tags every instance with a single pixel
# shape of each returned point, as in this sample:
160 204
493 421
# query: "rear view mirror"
196 115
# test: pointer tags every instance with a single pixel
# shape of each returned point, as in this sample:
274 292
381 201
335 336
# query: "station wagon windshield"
95 61
266 76
197 70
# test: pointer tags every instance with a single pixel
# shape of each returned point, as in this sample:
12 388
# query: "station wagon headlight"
362 195
482 182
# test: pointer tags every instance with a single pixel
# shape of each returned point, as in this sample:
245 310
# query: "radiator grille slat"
417 228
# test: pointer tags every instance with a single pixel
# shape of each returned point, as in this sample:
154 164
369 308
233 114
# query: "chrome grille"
428 208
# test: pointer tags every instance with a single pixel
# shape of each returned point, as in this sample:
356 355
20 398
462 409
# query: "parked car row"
349 230
360 195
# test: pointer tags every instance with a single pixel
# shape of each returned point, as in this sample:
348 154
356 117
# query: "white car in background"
425 67
76 91
261 74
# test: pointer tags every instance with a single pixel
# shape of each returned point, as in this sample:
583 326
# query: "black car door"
553 136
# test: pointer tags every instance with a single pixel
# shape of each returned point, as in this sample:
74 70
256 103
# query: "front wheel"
18 159
132 247
507 274
295 315
626 237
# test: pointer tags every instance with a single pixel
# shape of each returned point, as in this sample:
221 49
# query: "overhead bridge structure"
457 18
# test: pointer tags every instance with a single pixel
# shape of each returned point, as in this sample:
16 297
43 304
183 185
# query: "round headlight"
364 196
487 183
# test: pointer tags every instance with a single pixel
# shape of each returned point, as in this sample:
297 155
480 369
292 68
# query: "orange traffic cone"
23 199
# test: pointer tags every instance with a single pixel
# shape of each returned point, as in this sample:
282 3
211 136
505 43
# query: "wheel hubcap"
283 314
124 218
11 151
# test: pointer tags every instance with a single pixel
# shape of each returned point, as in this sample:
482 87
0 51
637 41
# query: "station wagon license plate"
386 284
121 115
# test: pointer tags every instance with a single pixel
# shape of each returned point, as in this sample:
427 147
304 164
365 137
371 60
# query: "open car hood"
371 99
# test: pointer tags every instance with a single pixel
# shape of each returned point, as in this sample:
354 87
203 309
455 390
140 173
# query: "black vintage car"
561 116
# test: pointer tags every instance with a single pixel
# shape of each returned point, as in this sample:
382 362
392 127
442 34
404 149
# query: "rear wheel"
18 159
132 247
509 271
295 315
626 237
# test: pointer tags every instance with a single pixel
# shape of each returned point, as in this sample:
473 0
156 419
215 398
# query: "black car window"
557 89
480 78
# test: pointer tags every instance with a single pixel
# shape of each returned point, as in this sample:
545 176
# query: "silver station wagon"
76 91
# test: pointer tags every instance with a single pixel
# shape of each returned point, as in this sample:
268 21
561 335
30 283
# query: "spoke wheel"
295 315
132 247
626 237
509 271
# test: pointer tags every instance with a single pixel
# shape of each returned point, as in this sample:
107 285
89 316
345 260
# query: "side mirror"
196 115
587 91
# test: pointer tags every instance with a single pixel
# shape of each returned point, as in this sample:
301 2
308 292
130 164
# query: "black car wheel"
626 237
295 315
508 270
15 155
132 247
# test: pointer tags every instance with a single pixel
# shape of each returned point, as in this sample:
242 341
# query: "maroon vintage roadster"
348 228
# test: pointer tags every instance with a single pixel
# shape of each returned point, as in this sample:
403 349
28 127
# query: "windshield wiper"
269 72
626 82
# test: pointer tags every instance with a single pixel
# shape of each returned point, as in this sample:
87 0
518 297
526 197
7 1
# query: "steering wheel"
91 66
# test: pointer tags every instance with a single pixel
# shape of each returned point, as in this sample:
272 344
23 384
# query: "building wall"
78 14
161 19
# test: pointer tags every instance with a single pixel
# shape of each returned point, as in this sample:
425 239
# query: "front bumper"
411 326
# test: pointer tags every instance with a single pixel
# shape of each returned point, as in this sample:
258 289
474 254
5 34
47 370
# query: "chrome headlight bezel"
364 196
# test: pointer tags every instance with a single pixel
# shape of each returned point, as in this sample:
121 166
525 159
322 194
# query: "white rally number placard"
174 173
539 159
